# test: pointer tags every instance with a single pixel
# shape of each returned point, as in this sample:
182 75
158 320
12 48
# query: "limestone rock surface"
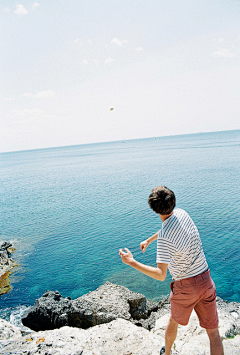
8 331
119 337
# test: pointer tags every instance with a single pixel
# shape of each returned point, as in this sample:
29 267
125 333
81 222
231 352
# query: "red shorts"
198 293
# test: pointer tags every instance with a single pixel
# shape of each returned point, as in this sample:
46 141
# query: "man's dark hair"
162 200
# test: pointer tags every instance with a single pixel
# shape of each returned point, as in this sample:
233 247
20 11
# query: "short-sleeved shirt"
179 245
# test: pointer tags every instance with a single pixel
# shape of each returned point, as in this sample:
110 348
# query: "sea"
68 210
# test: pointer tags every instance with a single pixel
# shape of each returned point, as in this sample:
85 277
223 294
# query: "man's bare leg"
170 335
216 347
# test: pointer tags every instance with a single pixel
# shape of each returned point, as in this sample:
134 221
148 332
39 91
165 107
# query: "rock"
8 331
234 330
107 303
155 311
232 346
119 337
110 302
49 312
5 246
103 305
6 265
125 314
6 262
193 340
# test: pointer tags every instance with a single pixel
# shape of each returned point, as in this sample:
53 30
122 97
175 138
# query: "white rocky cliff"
120 336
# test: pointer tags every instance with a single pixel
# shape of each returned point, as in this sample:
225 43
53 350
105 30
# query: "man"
179 249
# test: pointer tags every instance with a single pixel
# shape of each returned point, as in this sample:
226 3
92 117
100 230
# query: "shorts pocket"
210 293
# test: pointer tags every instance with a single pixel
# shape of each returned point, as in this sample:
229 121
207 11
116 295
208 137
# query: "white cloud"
117 41
40 95
45 94
77 41
7 9
139 49
24 112
27 94
35 4
225 53
26 116
7 99
84 61
20 10
109 60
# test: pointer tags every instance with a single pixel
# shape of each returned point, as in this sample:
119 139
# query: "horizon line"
120 140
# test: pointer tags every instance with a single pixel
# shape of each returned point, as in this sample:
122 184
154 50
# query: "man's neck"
165 216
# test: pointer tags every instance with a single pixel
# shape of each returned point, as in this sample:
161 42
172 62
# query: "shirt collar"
167 220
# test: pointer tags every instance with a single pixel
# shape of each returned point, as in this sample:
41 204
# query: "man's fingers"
121 252
143 246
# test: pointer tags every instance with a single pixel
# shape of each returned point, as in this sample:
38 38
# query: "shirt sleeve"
163 252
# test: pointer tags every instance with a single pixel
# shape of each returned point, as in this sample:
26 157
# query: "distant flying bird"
111 109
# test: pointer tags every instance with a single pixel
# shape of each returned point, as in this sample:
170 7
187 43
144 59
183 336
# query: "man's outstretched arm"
158 273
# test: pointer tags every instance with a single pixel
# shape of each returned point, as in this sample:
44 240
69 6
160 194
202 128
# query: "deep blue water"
68 210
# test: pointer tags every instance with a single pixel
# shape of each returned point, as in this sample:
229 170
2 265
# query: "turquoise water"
68 211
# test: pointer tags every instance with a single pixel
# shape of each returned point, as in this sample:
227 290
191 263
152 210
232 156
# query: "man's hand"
127 258
144 245
158 273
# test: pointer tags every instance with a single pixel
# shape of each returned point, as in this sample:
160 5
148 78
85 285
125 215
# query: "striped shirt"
179 245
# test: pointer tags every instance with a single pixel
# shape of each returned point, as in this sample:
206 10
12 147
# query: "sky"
166 67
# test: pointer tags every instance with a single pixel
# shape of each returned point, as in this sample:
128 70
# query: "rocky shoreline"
6 266
111 320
